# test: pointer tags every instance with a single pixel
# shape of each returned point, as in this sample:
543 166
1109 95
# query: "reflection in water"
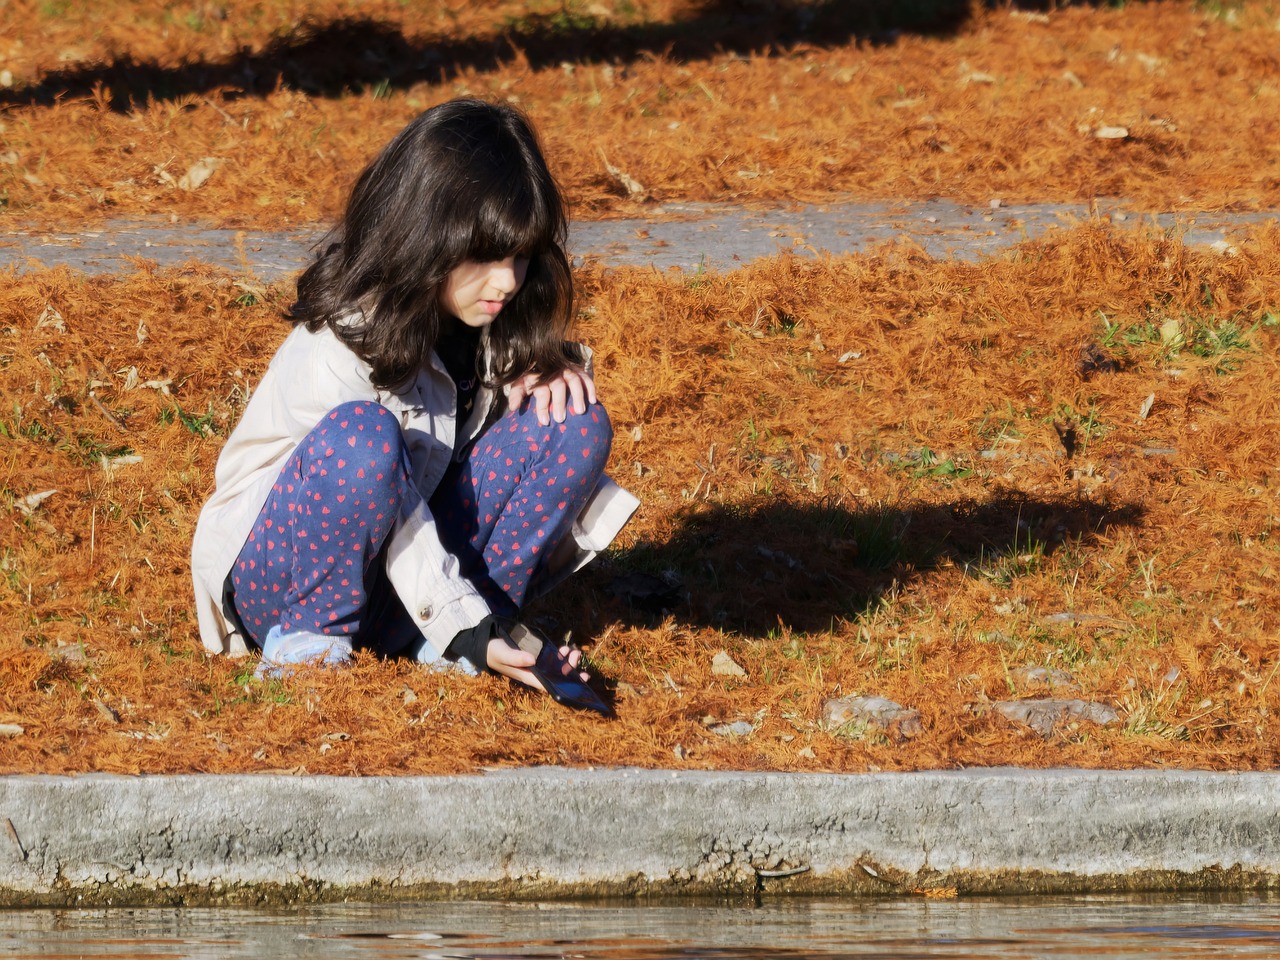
1171 928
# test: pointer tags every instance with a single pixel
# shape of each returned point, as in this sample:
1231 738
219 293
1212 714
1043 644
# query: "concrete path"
685 236
544 832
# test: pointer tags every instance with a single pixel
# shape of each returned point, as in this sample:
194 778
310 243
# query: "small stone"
1086 621
1111 133
723 665
1049 676
1043 715
739 728
11 730
898 722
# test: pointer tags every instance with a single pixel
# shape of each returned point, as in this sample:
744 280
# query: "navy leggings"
312 561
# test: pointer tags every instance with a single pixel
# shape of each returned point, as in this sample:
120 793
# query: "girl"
425 451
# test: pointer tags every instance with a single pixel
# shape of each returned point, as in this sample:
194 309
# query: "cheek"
449 295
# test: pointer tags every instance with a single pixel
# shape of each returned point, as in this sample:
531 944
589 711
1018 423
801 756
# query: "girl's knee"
584 439
358 444
595 428
364 429
359 415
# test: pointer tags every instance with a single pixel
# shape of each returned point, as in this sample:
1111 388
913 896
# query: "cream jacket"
311 374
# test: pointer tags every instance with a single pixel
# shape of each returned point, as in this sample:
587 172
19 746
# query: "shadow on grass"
356 54
752 569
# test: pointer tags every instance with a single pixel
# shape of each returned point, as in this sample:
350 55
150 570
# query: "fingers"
517 393
512 662
589 386
577 392
551 402
573 658
570 391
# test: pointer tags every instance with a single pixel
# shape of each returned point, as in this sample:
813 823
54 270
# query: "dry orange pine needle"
1050 474
260 114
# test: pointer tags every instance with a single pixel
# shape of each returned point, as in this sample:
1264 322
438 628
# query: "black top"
459 351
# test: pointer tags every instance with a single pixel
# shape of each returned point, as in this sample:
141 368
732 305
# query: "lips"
491 307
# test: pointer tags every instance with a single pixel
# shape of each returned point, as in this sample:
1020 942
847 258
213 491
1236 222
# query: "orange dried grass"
772 421
1006 106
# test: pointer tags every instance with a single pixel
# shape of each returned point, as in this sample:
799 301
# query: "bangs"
517 219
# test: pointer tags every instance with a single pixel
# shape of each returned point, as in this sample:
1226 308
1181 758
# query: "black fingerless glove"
473 645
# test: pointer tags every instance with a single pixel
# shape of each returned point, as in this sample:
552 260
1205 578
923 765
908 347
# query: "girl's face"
476 292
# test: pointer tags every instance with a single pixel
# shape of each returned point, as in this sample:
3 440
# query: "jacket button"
425 613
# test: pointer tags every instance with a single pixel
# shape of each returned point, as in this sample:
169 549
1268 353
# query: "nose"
502 275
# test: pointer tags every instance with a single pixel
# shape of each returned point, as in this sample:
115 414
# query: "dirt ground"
953 485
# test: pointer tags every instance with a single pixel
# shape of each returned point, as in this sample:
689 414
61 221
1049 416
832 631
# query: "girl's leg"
506 506
309 562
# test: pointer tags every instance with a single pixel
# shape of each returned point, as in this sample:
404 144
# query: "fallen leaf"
27 505
198 173
50 317
723 665
635 189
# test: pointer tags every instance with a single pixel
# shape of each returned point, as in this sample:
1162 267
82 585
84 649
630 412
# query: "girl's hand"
570 389
514 663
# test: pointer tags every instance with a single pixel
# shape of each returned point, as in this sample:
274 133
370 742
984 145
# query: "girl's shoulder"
320 345
316 359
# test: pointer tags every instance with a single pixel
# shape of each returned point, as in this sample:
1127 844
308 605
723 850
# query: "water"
1060 927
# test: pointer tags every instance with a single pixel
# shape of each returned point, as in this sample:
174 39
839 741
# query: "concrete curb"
558 832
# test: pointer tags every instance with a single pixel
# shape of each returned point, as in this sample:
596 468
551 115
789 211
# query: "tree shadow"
331 58
805 566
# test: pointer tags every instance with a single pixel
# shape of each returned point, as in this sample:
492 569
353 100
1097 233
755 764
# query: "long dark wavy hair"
466 180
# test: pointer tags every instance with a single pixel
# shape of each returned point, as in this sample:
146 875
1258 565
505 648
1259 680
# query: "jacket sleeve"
427 578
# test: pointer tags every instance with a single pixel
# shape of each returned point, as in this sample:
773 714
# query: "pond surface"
1058 927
